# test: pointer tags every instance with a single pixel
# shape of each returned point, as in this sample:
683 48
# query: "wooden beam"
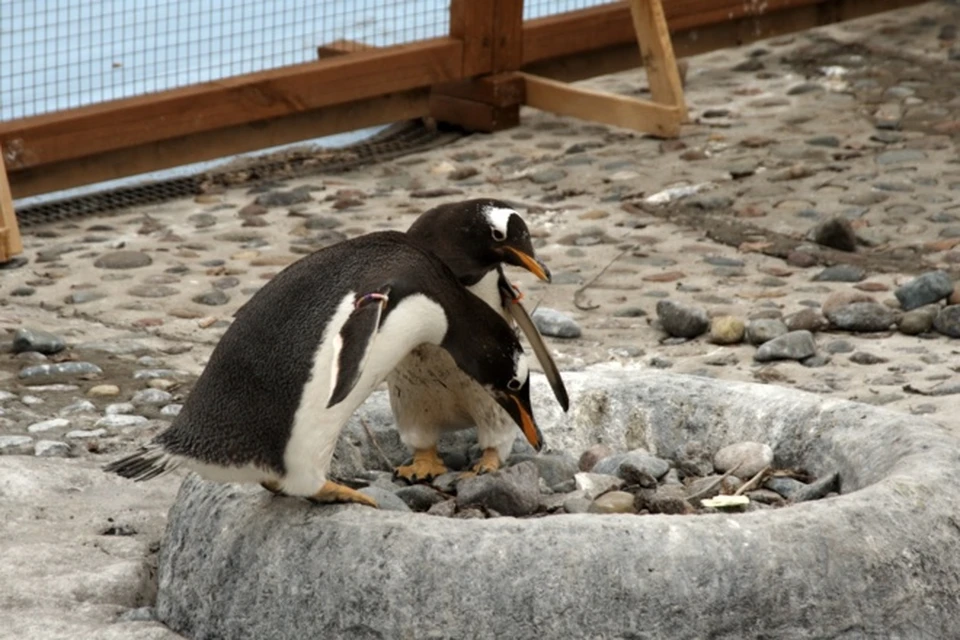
508 46
10 242
340 47
583 64
472 22
133 122
597 106
154 156
487 104
653 38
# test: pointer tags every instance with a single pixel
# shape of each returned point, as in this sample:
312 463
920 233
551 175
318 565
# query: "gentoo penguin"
428 394
310 346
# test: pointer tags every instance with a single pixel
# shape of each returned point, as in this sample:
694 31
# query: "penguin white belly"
429 394
316 427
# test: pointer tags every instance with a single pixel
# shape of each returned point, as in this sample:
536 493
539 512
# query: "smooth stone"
419 497
817 489
284 198
841 273
119 408
512 491
151 397
213 298
592 455
48 425
785 486
103 391
751 456
613 502
16 445
116 421
51 449
806 319
682 321
74 368
862 316
726 330
555 468
152 291
925 289
79 406
123 260
577 503
26 339
85 434
915 322
863 357
764 330
171 409
947 321
595 484
639 460
84 295
386 500
547 176
795 345
557 324
900 156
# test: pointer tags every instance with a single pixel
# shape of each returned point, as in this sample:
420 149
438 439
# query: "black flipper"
519 313
355 338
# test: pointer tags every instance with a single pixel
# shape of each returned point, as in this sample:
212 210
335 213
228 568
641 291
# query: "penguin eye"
498 235
514 384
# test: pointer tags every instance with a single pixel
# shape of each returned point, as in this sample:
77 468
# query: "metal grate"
60 54
540 8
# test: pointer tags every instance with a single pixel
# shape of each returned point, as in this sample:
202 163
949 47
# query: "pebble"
682 321
836 233
764 330
85 434
924 289
806 319
51 449
419 497
557 324
151 397
796 345
668 499
115 421
947 321
555 469
841 273
864 357
48 425
386 500
119 408
613 502
123 260
16 445
78 406
44 342
513 491
103 391
595 484
751 456
726 330
84 296
817 489
592 455
212 298
284 198
862 316
171 410
75 368
915 322
577 503
640 460
547 176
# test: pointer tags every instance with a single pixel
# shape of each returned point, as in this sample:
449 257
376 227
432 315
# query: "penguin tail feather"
146 464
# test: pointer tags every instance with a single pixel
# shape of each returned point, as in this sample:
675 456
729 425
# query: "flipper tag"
382 297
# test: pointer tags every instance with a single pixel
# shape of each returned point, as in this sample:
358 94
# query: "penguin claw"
426 466
333 492
488 463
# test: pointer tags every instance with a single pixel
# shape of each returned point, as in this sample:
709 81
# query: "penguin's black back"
242 408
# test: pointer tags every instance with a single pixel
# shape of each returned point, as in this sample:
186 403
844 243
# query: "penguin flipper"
352 344
519 314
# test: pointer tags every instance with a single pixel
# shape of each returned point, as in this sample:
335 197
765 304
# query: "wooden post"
10 242
492 36
653 36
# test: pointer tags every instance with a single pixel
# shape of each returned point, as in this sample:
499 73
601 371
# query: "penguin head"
474 236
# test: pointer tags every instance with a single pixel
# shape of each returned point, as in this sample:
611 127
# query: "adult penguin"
428 394
310 346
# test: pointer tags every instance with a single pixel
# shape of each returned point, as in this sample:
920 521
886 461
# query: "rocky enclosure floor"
847 133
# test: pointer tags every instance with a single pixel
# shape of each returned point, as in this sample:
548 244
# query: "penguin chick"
310 346
428 394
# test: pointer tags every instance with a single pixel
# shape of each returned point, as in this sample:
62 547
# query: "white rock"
84 434
120 420
751 456
80 406
52 449
61 388
6 395
118 408
48 425
103 390
594 484
151 397
31 400
16 445
171 410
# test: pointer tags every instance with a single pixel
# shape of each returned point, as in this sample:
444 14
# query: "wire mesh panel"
540 8
59 54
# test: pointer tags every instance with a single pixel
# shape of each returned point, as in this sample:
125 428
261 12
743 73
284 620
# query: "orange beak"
530 429
531 264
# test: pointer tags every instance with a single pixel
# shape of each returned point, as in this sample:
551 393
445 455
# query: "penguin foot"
273 487
333 492
426 466
488 463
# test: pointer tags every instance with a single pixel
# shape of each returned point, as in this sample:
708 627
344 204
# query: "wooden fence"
468 78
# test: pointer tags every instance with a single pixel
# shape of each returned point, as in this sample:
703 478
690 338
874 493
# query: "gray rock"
16 445
841 273
513 491
592 485
387 500
682 321
151 397
806 319
864 357
51 449
924 289
547 176
85 434
786 487
554 468
900 156
839 346
37 340
78 407
59 370
82 296
764 330
594 454
213 298
915 322
227 548
445 509
947 321
862 316
557 324
119 408
284 198
751 456
796 345
171 409
117 421
818 489
123 260
577 503
638 460
420 497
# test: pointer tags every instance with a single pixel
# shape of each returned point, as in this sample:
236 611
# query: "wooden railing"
468 78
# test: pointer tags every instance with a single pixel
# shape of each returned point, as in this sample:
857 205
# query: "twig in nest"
579 292
376 445
752 482
713 485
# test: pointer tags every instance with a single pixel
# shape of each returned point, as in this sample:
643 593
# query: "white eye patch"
499 218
